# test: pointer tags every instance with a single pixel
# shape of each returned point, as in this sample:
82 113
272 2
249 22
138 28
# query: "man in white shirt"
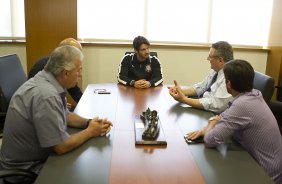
211 93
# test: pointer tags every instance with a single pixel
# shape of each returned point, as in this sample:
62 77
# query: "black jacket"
131 70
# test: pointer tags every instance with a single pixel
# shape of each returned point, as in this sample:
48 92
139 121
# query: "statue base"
139 127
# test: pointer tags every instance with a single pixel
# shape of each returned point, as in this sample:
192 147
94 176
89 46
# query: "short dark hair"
241 75
138 41
223 49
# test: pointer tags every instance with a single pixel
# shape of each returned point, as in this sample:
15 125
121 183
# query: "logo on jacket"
148 68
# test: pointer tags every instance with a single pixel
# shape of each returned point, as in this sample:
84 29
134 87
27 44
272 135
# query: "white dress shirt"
217 98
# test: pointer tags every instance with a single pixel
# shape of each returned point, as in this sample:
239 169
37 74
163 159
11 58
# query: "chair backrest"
279 91
151 53
265 84
12 76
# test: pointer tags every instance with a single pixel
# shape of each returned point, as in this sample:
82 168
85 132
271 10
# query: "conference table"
115 158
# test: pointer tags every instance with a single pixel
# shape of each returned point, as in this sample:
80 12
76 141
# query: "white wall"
187 66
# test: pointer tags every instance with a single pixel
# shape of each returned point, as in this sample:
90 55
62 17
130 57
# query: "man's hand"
212 122
176 92
142 83
195 134
99 127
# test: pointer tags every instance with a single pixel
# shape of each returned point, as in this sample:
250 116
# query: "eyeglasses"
211 57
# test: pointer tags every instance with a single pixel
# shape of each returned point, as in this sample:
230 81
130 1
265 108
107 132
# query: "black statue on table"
152 127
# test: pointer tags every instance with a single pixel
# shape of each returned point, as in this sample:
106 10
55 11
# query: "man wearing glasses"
211 93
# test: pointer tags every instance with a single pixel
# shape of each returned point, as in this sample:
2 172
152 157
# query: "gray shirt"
35 121
249 120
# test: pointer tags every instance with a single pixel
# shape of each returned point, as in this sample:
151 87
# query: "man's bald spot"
71 42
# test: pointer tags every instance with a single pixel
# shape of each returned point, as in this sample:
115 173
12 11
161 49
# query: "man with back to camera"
139 69
211 93
75 92
248 120
37 116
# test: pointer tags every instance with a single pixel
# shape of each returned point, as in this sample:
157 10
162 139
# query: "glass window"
12 19
110 19
242 22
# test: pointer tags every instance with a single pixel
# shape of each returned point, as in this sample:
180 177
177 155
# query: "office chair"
151 53
276 105
12 76
16 176
265 84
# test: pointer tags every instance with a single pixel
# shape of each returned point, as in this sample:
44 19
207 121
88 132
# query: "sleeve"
157 76
75 93
49 119
123 71
232 120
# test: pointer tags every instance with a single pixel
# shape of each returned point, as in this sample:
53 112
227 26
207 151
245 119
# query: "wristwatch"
87 122
132 83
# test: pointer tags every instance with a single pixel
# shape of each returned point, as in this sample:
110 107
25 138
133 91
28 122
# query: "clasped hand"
99 127
142 83
176 92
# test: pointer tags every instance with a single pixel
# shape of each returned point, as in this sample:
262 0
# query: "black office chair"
16 176
279 91
276 105
12 76
151 53
265 84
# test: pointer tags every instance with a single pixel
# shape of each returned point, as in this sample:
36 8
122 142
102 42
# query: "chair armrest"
17 176
17 172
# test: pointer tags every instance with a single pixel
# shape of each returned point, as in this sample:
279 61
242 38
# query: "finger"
109 129
107 123
105 131
137 85
188 134
95 118
191 135
99 120
172 90
106 126
110 123
178 90
175 83
195 135
104 120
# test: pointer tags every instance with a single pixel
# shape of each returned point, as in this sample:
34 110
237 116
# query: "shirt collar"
50 77
134 58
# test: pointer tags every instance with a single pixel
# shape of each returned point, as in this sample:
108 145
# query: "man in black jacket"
75 92
139 69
